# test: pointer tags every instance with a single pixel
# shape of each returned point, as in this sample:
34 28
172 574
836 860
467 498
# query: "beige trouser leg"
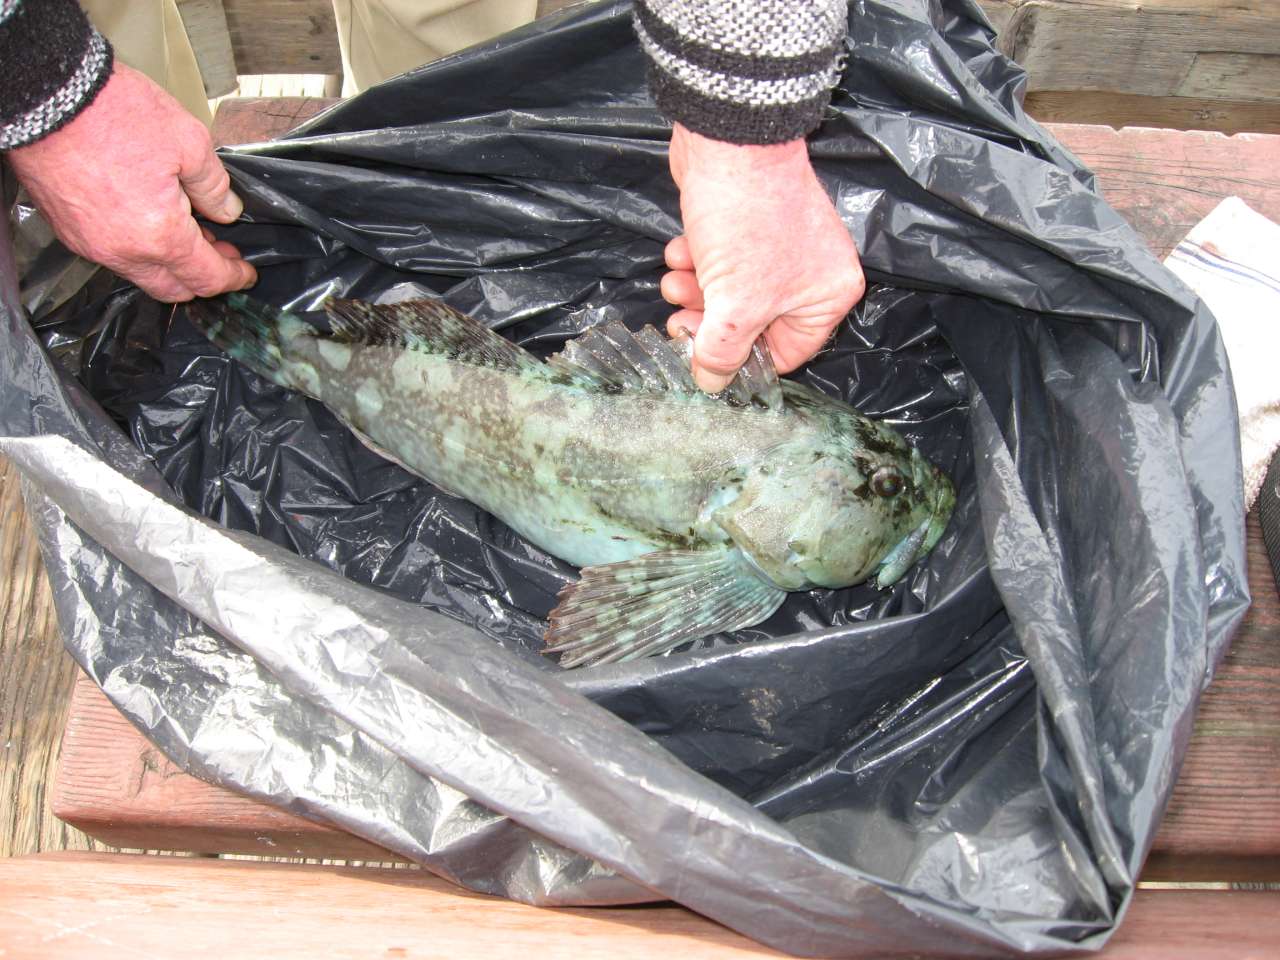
149 36
383 38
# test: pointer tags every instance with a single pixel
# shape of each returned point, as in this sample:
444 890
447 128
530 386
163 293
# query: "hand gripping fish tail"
689 514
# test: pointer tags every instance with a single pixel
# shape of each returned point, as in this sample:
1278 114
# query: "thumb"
722 344
207 183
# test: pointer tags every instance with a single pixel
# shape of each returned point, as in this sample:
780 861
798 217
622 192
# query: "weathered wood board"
121 907
1223 821
1220 49
1187 64
1165 181
114 785
206 25
36 678
1177 113
283 36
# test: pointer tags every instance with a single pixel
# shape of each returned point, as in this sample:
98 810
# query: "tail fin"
252 332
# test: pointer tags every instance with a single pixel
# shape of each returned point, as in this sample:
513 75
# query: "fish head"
859 503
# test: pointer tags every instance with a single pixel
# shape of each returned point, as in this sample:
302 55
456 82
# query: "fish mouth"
899 560
923 538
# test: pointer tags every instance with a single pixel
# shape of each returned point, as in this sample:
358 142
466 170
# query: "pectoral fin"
646 606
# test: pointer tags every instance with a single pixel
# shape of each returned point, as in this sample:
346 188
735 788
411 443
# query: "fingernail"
709 382
232 207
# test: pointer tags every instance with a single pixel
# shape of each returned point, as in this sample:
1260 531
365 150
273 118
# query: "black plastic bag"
971 764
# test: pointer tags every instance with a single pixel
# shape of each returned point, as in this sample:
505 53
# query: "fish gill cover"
947 767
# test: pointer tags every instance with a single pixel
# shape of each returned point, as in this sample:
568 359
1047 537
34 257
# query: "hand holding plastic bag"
118 184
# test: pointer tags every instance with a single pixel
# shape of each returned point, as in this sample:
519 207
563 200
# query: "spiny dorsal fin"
654 603
607 357
428 325
611 357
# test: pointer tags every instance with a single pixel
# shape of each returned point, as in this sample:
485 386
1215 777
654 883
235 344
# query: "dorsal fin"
757 381
428 325
606 357
611 357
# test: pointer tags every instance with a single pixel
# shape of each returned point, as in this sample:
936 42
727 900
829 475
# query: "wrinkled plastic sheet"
971 764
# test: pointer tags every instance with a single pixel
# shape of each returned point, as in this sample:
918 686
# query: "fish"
687 514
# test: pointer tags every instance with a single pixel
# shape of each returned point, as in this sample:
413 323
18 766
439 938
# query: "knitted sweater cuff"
743 71
52 64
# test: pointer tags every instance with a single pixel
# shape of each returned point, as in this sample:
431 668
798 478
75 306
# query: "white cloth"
1231 258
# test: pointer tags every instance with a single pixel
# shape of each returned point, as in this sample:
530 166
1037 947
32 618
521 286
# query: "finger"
680 287
722 346
207 234
227 250
159 283
684 323
206 181
207 272
678 255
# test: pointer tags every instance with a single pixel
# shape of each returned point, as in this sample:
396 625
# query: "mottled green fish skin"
814 493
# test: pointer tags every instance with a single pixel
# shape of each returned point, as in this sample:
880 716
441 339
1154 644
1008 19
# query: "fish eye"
887 482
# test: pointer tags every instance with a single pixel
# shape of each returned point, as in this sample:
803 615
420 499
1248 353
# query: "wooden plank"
36 677
283 36
206 25
113 785
1165 181
1232 76
143 905
251 120
113 907
1143 47
1179 113
1227 801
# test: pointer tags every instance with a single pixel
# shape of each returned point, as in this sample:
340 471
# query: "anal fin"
649 605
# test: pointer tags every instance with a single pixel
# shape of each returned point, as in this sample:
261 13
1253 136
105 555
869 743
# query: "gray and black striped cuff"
744 71
52 64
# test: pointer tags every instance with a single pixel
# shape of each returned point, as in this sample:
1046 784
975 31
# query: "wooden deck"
1240 807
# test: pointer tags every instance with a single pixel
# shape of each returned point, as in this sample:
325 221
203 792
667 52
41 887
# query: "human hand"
763 251
118 185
